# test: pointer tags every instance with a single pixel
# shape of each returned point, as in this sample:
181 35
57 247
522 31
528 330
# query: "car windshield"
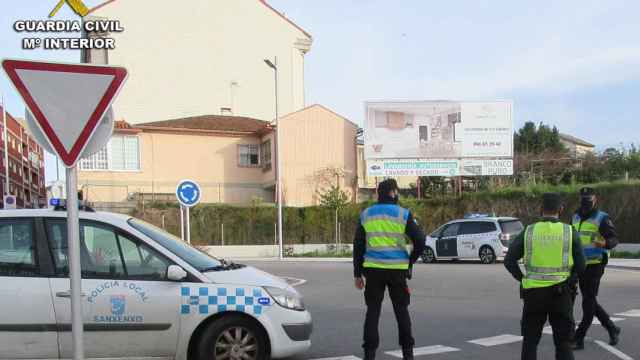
196 258
511 227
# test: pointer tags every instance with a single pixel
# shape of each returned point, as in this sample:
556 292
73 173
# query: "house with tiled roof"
577 147
231 157
190 58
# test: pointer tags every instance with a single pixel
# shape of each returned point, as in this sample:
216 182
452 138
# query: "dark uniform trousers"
377 280
553 303
589 286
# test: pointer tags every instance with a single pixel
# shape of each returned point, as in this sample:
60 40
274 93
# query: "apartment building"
200 57
26 164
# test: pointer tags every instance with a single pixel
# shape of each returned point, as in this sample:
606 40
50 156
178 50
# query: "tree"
335 199
532 139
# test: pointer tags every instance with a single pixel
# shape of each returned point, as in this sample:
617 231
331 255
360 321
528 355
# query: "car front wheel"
233 338
487 255
428 257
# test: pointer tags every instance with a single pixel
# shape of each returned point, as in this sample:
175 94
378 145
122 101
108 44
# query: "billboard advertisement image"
415 138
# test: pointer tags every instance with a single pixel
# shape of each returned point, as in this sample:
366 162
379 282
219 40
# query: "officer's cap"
551 201
587 191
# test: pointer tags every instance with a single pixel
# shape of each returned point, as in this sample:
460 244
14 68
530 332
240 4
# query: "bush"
255 224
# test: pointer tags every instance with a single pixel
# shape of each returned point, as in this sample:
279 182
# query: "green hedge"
316 225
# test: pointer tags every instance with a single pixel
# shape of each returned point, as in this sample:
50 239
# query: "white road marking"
425 350
630 313
613 350
547 329
497 340
349 357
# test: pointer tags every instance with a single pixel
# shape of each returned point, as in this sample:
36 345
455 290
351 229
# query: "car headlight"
286 298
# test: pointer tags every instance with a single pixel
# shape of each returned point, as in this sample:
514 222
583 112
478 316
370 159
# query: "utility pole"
274 65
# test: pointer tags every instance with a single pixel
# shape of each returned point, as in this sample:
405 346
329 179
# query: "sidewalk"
633 264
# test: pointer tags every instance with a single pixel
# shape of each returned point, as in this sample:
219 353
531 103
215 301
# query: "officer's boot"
369 354
614 335
578 343
407 353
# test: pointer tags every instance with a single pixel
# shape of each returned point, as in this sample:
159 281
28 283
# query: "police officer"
381 260
597 235
552 259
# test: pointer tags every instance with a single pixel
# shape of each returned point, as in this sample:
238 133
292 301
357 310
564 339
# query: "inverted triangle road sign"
67 100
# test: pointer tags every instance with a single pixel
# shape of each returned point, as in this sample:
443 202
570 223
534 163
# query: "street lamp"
274 65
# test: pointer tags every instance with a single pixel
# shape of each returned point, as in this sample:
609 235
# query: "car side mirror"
176 273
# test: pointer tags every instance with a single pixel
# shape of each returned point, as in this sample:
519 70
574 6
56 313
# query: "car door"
27 318
474 234
446 245
129 308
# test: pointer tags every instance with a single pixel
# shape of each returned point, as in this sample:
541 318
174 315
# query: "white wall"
182 60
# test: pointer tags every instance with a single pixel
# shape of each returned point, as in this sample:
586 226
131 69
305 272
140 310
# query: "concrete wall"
193 59
260 251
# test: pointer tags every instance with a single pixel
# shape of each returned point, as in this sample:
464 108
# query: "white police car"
146 294
477 236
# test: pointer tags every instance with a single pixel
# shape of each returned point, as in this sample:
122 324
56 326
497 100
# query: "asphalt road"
452 304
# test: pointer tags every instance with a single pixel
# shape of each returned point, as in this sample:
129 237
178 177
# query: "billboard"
430 138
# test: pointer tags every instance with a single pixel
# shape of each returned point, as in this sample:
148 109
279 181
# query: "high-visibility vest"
547 254
589 231
384 225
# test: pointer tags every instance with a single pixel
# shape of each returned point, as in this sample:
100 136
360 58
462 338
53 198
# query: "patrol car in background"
477 236
146 294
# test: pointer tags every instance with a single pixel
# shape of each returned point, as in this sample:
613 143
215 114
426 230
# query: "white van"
474 237
146 294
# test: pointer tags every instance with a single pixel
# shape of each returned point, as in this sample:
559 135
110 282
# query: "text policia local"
100 27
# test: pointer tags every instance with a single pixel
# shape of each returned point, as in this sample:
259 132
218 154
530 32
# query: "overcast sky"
573 64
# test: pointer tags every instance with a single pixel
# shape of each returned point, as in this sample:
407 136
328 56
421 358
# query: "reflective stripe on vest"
384 225
547 254
589 231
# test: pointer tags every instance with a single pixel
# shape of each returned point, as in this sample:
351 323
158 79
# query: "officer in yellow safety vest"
381 260
552 257
597 235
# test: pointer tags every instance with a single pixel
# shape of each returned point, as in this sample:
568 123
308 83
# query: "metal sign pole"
188 227
182 223
73 237
6 148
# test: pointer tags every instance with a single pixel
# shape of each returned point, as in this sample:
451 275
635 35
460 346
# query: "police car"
477 236
145 294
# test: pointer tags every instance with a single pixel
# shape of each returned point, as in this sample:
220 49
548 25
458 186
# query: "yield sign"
67 100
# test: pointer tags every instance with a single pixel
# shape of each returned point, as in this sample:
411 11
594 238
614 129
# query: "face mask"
586 205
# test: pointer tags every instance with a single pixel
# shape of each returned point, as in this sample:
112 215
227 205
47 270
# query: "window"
122 153
106 253
512 227
17 249
194 257
476 227
249 155
97 161
437 233
451 230
265 155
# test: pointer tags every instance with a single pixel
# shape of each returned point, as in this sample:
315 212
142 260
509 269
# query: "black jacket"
412 230
516 252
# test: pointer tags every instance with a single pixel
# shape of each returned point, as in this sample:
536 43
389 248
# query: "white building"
189 58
